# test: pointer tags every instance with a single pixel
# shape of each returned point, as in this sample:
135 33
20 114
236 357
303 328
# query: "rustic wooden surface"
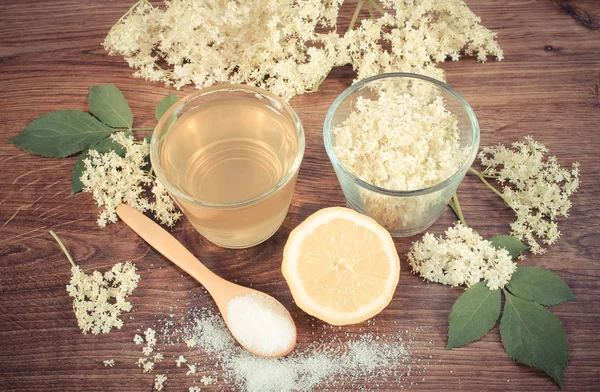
50 53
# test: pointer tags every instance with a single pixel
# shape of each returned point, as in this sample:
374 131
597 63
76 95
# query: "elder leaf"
164 105
110 106
539 285
102 147
533 335
473 314
61 133
510 243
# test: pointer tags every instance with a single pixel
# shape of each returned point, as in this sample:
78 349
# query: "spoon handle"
168 246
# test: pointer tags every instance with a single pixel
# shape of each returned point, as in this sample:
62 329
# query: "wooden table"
50 53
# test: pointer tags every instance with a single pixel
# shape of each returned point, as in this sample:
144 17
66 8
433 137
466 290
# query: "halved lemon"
341 266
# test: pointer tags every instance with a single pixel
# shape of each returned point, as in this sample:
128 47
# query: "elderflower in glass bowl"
400 145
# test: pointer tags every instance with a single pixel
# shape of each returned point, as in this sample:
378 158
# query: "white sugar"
330 364
260 324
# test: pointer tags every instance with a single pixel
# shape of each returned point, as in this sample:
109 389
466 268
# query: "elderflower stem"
355 16
62 246
377 6
482 178
455 205
135 129
133 7
370 9
315 88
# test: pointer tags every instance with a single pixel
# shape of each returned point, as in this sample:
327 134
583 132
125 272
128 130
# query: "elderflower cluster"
462 258
289 47
400 141
419 34
150 335
99 299
159 382
404 142
113 179
204 43
147 363
536 188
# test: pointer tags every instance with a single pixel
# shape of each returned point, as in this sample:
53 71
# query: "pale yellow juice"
229 156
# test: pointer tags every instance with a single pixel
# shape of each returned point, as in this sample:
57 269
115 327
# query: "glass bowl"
402 212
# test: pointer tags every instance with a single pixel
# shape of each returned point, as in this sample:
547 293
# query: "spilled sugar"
327 363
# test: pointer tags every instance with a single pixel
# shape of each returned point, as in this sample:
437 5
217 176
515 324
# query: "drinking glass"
229 156
402 213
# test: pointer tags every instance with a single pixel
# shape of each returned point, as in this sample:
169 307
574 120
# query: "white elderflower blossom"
238 42
419 35
146 365
99 299
207 380
192 370
138 339
150 336
289 47
191 342
536 188
158 357
163 207
462 258
113 179
159 381
402 142
109 362
180 360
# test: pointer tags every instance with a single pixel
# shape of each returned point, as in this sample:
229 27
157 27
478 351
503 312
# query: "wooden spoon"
220 289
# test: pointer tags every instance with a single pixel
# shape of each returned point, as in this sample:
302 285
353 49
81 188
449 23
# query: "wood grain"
50 53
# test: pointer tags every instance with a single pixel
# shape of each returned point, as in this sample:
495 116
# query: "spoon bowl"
221 290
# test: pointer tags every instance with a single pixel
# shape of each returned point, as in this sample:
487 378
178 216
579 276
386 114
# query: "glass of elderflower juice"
229 156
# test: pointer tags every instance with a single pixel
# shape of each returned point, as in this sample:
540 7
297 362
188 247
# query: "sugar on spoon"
259 322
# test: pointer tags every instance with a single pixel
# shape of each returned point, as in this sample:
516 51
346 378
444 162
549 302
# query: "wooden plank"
50 53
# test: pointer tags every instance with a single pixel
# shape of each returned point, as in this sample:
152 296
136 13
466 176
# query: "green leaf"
473 314
539 285
165 104
108 104
510 243
533 335
61 133
102 147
